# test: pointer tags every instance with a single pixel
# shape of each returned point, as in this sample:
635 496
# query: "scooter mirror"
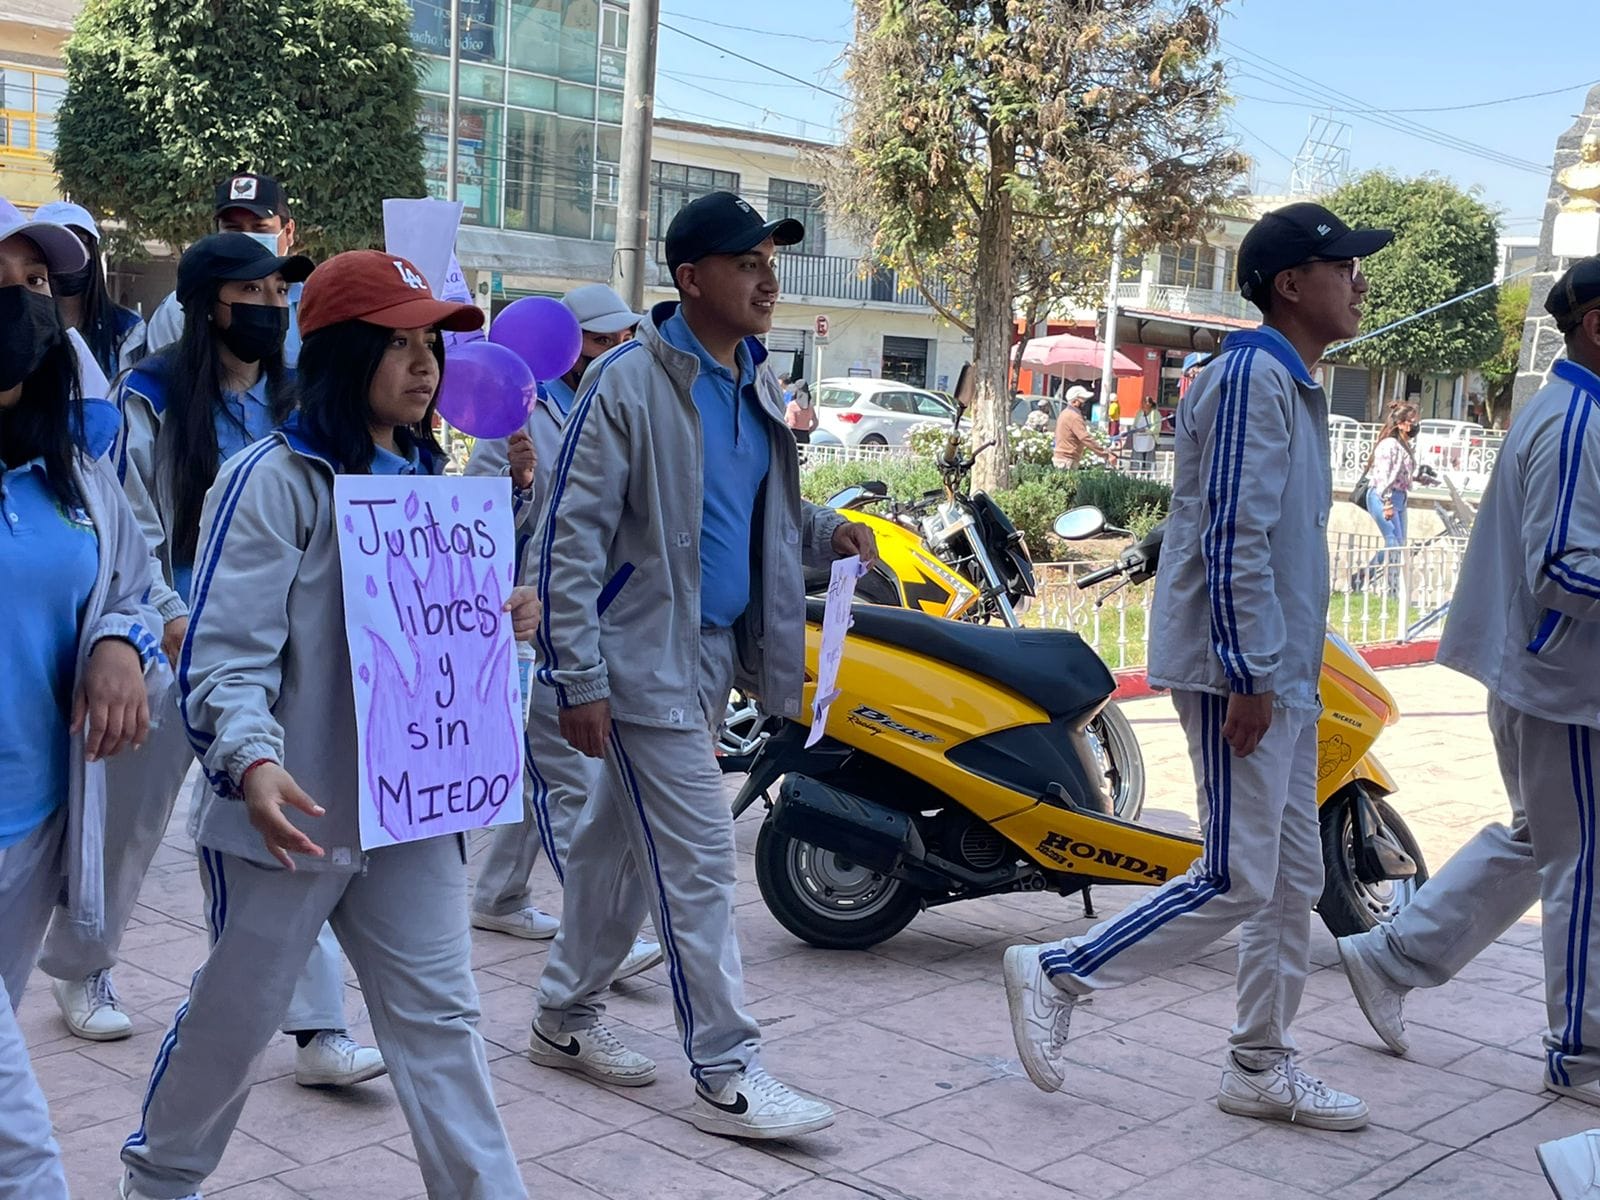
966 387
1078 523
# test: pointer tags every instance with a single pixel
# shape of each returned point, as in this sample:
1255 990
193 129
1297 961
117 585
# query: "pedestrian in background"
799 413
1146 429
74 662
1073 437
84 301
1391 467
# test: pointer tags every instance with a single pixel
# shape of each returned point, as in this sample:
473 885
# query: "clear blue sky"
1383 54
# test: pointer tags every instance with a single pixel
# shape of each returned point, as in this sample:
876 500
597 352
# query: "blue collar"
257 391
670 311
1578 376
298 438
1265 337
102 422
35 463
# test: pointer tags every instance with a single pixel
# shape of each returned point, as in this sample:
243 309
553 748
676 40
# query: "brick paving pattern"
910 1043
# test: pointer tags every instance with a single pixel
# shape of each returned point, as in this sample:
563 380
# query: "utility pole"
1107 377
453 112
638 115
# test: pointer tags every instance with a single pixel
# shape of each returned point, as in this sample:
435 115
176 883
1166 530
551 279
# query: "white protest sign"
427 565
423 231
835 624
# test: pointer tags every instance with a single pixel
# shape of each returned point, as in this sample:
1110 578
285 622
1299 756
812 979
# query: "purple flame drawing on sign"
447 688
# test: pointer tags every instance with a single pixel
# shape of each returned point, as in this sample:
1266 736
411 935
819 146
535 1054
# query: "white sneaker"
1382 1003
754 1105
126 1190
1283 1092
1588 1093
530 922
1040 1016
1572 1165
644 955
595 1052
335 1059
91 1007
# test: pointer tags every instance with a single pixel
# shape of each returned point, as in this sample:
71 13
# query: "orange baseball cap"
379 289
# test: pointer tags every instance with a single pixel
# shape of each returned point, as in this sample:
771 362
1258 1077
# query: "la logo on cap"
243 187
412 279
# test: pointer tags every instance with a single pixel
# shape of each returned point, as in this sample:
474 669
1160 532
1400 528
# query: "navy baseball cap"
1300 233
1575 293
721 223
230 256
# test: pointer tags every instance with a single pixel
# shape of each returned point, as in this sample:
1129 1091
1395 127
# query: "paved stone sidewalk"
911 1043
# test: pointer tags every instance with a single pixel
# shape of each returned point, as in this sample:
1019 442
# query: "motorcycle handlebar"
1100 576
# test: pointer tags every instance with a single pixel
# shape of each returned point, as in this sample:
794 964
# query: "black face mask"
257 331
73 283
29 329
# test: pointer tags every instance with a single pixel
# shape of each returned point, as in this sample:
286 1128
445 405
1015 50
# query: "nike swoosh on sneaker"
571 1049
738 1108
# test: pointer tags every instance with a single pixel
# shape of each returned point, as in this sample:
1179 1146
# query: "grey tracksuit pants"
403 922
556 786
1547 853
1260 870
661 805
143 786
30 880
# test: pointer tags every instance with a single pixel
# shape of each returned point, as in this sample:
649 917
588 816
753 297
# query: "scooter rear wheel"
1116 748
827 900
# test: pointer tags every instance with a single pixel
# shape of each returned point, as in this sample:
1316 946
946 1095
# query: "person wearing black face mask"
114 334
72 663
186 410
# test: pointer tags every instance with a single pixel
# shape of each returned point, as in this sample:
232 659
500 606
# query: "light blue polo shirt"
738 453
243 418
387 462
49 559
291 340
559 394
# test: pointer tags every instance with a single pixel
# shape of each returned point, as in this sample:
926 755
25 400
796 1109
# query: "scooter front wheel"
825 899
1350 905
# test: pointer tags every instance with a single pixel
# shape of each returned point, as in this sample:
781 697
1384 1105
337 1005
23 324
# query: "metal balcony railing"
836 277
1200 302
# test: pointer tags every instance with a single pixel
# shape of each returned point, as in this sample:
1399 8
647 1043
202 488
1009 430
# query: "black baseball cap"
721 223
1575 293
230 256
260 194
1300 233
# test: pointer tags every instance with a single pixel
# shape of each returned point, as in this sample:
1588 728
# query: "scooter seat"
1053 668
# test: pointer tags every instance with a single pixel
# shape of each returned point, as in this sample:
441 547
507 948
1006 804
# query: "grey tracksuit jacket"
1525 618
265 668
117 608
1242 590
618 545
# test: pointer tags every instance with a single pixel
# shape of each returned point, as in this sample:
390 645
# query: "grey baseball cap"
599 309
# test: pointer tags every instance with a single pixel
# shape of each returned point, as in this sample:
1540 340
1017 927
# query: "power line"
1301 85
754 62
1261 141
799 37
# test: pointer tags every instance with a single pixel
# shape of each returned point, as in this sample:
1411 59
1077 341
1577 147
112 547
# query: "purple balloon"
487 390
544 334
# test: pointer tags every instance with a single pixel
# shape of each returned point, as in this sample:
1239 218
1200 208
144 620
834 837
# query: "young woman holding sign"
268 700
185 411
77 646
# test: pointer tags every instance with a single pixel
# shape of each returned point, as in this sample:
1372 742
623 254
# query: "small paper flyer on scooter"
835 624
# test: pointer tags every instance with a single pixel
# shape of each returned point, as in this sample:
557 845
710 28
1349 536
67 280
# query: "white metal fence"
1465 454
1378 596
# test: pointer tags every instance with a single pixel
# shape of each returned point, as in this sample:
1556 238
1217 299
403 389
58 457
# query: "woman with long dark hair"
270 707
72 663
1391 467
114 334
186 410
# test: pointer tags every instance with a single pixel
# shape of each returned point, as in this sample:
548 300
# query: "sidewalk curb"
1133 685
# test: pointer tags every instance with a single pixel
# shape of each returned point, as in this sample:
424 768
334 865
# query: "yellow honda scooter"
956 765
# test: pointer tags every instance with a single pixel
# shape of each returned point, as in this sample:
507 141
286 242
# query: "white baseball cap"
1079 393
599 309
74 216
62 250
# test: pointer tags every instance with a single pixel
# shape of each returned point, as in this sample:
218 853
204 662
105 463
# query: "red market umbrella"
1074 357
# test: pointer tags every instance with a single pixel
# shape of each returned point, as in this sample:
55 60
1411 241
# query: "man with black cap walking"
669 562
254 205
1525 621
1237 632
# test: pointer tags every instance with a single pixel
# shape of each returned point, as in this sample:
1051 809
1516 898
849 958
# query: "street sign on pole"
822 325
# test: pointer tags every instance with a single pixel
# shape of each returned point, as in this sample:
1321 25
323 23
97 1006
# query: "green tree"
1444 246
1500 371
979 127
167 97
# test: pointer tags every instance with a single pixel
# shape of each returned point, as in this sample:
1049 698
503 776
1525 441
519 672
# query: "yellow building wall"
27 176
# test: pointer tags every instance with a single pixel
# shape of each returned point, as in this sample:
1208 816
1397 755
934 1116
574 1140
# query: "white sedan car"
875 412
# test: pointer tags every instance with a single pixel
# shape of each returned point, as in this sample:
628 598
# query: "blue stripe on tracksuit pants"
661 805
1260 870
1546 854
403 923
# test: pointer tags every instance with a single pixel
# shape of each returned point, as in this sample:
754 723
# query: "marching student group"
173 582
